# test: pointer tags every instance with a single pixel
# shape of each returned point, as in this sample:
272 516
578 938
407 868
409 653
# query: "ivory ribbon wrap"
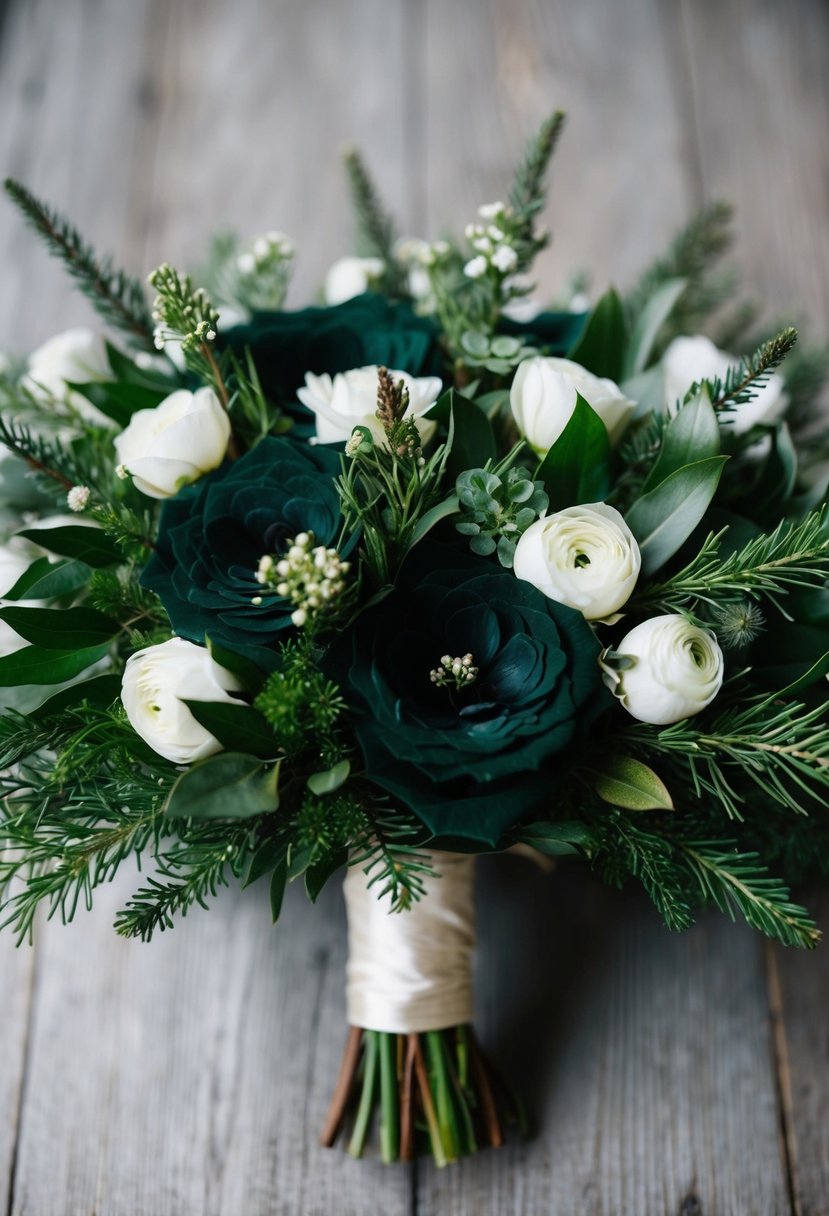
412 971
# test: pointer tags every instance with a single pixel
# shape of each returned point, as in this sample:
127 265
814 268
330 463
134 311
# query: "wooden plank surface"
192 1076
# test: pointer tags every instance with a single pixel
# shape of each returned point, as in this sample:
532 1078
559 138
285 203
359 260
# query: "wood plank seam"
28 1045
783 1077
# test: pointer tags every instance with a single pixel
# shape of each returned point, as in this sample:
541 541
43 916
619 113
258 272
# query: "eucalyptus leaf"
49 580
230 785
330 780
664 518
630 784
36 665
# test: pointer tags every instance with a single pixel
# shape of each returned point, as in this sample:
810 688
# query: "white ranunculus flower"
694 359
175 443
543 397
350 399
156 683
74 356
677 670
585 557
350 277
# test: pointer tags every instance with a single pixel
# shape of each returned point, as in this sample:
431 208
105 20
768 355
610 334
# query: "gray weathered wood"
17 970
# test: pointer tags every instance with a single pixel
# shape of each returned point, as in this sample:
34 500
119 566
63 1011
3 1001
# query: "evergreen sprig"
117 296
624 848
528 194
48 459
390 851
375 226
743 381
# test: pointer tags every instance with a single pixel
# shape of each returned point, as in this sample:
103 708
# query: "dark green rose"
470 761
212 535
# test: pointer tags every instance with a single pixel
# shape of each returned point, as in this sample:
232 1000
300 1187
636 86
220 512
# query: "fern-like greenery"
117 297
528 195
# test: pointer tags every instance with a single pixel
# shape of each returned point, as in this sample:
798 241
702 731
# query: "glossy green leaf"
100 690
61 628
556 839
36 665
271 853
577 467
119 401
251 677
238 727
601 347
85 544
692 434
648 324
664 518
317 875
630 784
470 431
330 780
49 580
431 518
279 880
229 785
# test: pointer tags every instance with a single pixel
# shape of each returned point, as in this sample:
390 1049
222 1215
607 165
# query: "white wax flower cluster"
310 575
156 683
543 398
263 252
491 242
174 444
351 276
584 556
349 399
692 359
673 670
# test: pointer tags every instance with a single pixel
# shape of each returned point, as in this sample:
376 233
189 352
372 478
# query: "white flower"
74 356
156 683
78 498
350 400
677 669
476 267
351 277
584 556
246 263
491 211
505 259
175 443
693 359
543 397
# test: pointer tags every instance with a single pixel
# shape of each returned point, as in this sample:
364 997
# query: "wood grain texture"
17 973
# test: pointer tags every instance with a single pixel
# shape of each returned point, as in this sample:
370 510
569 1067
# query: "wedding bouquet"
422 572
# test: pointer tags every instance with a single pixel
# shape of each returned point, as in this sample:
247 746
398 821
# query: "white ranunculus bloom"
350 277
175 443
585 557
694 359
543 397
156 683
74 356
350 399
677 670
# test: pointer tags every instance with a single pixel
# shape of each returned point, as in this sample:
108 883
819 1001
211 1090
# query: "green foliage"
576 469
496 509
743 381
375 227
499 353
301 705
624 848
118 298
664 517
528 195
603 342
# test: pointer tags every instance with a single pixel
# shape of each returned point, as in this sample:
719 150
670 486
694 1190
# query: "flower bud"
175 443
675 671
543 398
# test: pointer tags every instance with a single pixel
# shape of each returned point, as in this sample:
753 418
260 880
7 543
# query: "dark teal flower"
212 535
470 761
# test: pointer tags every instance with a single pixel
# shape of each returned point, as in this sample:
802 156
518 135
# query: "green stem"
364 1112
441 1088
389 1100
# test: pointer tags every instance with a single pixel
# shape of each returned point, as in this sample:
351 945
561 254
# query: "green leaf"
555 839
665 517
85 544
251 677
648 324
330 780
99 691
48 580
227 786
472 436
272 852
816 672
577 467
238 727
126 371
601 347
317 875
279 880
120 401
430 518
61 628
630 784
693 434
35 665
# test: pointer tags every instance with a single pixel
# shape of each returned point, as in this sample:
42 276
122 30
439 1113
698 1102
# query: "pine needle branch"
744 381
375 227
388 857
529 193
624 848
117 296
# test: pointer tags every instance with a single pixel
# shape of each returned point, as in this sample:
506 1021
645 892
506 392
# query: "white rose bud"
176 443
155 685
75 356
350 399
689 360
585 557
350 277
677 670
543 398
